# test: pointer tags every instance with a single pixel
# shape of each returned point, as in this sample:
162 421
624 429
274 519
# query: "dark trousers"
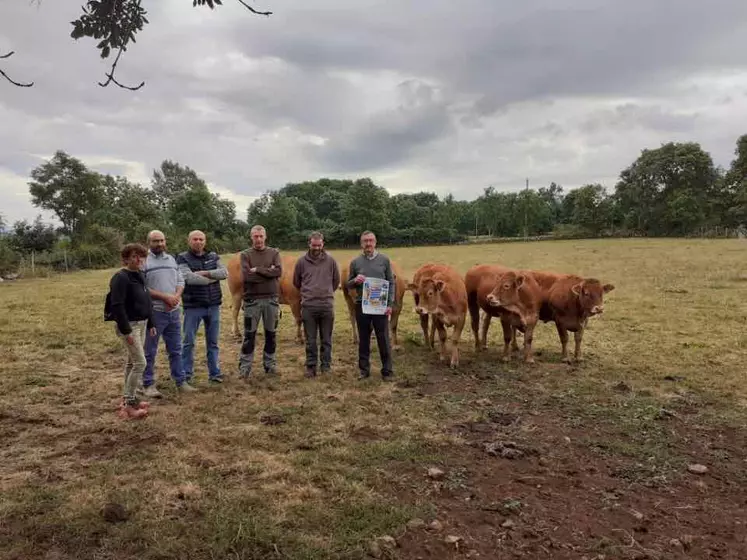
321 320
266 310
379 324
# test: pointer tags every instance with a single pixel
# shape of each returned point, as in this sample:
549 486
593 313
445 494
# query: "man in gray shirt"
166 284
317 276
375 265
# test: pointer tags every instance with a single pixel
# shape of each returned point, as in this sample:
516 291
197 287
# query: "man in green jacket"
374 265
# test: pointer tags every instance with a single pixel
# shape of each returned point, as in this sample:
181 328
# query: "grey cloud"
632 115
421 92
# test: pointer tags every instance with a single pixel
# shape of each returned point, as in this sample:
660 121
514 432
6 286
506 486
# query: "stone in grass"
435 473
697 468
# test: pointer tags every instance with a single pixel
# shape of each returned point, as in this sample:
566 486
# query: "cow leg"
296 311
528 338
563 334
442 338
507 334
514 343
432 338
577 337
456 334
483 345
351 312
424 328
474 316
235 310
393 323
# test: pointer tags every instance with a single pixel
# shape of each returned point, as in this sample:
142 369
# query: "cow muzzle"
597 309
493 301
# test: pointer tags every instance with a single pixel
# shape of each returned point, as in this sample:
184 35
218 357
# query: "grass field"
543 461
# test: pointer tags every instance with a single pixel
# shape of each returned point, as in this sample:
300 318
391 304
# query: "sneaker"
363 375
186 388
326 369
152 392
389 377
215 380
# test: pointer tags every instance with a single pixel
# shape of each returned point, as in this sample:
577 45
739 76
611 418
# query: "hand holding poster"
375 296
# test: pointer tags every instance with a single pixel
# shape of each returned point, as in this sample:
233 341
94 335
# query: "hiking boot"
272 370
217 380
310 372
363 375
325 369
152 392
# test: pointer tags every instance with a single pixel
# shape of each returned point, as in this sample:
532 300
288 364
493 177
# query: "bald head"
196 241
157 242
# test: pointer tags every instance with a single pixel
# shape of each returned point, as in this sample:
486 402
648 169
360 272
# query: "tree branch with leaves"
114 24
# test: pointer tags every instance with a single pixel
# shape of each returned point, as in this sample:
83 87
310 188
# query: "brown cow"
424 272
480 281
519 299
289 295
570 302
442 294
400 285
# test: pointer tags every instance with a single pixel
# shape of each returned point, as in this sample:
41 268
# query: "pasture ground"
588 462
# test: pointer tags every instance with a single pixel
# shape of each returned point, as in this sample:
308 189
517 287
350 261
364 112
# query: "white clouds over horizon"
429 95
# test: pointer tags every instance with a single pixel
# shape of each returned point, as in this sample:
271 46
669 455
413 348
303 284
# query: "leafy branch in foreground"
116 22
11 80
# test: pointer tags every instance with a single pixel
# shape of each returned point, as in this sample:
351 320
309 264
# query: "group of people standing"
146 297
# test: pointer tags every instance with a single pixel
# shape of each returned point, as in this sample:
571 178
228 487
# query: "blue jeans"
192 317
168 325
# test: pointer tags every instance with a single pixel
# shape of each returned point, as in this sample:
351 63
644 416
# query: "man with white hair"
202 298
260 270
166 284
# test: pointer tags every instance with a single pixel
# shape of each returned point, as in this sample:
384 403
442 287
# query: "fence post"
33 263
66 267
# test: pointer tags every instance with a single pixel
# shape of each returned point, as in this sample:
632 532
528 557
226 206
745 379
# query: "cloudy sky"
417 94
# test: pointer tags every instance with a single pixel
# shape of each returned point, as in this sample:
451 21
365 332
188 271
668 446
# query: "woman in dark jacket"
129 305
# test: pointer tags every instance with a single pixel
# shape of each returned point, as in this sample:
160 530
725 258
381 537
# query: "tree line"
673 190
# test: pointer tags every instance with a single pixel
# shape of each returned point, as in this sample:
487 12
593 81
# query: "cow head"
430 293
590 293
506 291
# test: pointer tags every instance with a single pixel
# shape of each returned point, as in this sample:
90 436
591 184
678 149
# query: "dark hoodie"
317 279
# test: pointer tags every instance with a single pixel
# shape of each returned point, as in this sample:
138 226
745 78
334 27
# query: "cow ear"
519 280
608 288
440 284
576 289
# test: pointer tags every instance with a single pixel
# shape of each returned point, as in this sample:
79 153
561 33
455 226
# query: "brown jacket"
264 282
316 279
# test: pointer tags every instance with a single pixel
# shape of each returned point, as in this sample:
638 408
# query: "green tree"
733 196
278 215
130 209
365 208
193 209
589 208
65 186
36 236
173 179
669 190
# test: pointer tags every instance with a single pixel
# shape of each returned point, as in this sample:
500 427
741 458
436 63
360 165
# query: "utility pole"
526 202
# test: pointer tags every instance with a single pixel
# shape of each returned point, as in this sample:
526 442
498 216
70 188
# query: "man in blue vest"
202 298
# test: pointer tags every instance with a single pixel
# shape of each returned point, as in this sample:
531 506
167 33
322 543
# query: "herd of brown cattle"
443 298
